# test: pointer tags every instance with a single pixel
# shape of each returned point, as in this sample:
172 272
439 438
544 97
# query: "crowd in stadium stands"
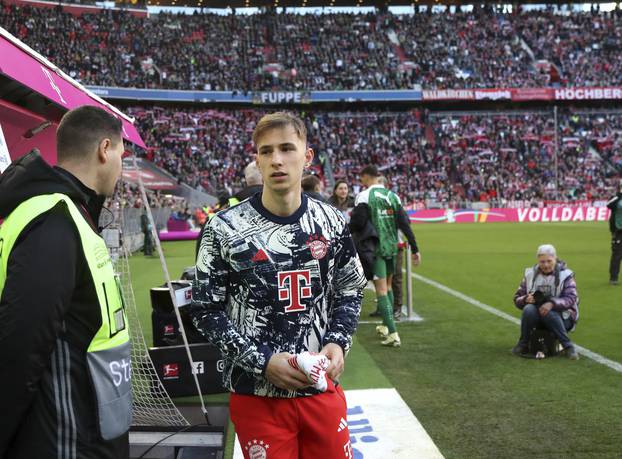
267 51
203 148
584 48
128 196
512 156
427 156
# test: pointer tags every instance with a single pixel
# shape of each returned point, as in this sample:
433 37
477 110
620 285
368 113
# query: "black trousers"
148 244
616 255
553 321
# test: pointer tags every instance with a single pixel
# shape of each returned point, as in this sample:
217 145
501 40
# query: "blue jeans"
553 321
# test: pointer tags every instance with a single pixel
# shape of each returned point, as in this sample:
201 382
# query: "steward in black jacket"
50 313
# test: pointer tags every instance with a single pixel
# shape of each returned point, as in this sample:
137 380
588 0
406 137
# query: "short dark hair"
280 120
82 129
310 182
370 170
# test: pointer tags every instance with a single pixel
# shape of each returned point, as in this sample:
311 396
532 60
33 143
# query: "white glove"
314 366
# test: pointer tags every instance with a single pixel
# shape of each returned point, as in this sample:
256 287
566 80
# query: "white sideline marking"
381 426
582 350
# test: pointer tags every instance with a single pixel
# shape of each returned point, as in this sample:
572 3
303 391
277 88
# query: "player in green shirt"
384 210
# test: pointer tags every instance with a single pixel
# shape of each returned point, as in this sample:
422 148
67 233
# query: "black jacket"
49 314
613 205
348 204
248 192
315 195
361 215
366 241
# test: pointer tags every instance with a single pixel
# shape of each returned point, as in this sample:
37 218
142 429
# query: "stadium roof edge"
76 8
224 4
24 47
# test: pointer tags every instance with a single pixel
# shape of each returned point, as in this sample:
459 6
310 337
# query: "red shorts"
292 428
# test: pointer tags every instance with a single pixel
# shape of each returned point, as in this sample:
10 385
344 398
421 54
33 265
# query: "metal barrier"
410 314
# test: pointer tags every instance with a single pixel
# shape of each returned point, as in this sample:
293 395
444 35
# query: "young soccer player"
278 275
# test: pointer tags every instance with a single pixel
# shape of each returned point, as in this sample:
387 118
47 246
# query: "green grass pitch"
455 370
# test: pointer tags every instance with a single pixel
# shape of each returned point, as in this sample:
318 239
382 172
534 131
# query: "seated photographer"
548 298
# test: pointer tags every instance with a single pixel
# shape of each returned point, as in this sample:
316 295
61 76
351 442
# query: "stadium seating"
482 48
427 156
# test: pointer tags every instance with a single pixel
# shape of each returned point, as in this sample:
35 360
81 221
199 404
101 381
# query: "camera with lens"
540 297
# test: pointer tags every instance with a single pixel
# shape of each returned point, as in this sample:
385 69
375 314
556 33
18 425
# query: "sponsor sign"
198 368
563 214
170 371
524 94
293 287
493 94
381 426
526 215
576 203
281 97
449 94
183 296
610 93
242 98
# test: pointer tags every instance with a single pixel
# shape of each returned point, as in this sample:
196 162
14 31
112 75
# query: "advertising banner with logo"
526 215
281 97
607 93
243 98
493 94
448 94
514 94
524 94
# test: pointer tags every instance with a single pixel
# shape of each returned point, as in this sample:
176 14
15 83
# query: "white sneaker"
382 330
393 340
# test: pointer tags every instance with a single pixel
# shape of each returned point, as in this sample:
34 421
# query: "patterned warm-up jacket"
267 284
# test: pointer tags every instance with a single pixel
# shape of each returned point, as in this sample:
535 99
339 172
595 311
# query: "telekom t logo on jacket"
294 286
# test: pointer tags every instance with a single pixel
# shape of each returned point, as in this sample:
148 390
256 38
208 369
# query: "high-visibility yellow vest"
108 354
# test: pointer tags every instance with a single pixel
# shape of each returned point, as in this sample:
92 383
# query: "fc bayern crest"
318 246
257 449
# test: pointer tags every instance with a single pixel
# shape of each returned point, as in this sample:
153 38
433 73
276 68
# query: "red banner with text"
524 94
